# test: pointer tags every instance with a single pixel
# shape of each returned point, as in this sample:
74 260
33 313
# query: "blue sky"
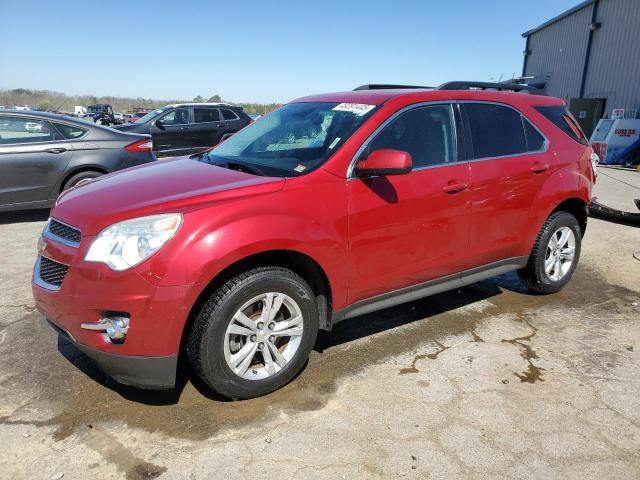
257 50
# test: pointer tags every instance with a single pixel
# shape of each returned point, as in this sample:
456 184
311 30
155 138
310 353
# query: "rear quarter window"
228 114
561 118
70 132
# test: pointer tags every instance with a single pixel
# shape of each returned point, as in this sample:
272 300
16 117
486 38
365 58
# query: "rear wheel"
79 177
255 333
555 254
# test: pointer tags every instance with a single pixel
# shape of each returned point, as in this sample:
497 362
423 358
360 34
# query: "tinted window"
495 130
26 130
228 114
535 141
179 116
69 131
427 133
562 119
203 115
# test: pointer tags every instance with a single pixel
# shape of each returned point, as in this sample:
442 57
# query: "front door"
33 156
407 229
174 134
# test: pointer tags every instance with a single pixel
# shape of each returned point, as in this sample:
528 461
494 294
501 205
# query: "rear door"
407 229
174 136
509 165
207 128
33 156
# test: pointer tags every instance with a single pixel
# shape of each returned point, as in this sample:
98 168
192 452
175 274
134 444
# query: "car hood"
175 185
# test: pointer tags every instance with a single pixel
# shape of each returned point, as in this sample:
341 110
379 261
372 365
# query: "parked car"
42 154
134 117
102 114
189 127
237 256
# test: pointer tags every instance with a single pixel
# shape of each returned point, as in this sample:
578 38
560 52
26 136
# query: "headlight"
128 243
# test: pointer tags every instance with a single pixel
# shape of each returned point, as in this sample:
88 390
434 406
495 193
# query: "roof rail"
514 87
382 86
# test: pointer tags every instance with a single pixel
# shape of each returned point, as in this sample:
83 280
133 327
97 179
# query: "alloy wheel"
263 336
560 253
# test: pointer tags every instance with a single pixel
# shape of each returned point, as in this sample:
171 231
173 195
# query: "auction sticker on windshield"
357 108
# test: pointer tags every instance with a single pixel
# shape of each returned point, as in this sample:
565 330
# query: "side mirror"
158 123
384 162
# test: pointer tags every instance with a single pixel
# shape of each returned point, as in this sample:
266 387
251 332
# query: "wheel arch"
77 170
300 263
576 207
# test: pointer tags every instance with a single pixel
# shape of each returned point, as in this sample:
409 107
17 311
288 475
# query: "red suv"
333 206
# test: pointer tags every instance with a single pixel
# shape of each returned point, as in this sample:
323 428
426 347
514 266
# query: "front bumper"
89 291
154 373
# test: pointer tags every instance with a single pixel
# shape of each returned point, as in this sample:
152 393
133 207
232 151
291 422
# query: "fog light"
115 327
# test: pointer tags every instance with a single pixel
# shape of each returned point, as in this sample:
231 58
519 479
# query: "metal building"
590 56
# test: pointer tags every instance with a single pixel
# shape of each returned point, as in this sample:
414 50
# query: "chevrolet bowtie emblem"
42 244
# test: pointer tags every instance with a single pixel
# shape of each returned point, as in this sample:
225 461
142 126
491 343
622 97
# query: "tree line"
59 102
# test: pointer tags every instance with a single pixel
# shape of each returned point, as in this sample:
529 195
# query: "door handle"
537 168
454 187
55 150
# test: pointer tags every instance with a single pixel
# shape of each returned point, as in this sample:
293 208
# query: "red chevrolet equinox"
330 207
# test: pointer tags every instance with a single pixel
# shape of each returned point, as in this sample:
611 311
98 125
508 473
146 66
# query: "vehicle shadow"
24 216
342 333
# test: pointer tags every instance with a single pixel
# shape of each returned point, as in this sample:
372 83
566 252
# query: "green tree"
45 105
215 99
199 99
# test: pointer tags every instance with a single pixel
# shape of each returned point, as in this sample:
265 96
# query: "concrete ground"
617 188
485 382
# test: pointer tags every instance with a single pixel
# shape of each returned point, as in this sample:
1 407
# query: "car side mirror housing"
158 123
384 162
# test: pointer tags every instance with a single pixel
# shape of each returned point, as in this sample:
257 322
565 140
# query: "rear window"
535 141
15 130
203 115
496 130
562 119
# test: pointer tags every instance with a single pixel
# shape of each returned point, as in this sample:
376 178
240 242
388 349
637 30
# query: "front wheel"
555 254
255 333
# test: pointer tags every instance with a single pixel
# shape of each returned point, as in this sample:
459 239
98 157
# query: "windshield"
95 109
145 118
293 140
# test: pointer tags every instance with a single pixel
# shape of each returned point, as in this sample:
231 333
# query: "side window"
14 130
426 133
203 115
535 141
70 132
179 116
562 119
228 114
495 130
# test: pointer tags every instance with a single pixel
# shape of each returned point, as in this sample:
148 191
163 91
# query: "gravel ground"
484 382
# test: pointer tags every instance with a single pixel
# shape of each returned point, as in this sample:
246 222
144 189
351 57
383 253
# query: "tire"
543 274
78 177
213 350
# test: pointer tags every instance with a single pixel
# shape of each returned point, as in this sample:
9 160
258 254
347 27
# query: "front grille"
51 272
66 232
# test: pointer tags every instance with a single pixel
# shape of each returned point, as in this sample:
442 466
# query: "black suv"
187 128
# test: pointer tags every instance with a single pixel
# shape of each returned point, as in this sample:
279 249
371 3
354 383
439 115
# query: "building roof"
580 6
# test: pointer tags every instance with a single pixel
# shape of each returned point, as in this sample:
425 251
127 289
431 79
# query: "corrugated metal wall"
558 52
614 68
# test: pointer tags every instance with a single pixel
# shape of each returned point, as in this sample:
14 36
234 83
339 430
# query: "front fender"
211 240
